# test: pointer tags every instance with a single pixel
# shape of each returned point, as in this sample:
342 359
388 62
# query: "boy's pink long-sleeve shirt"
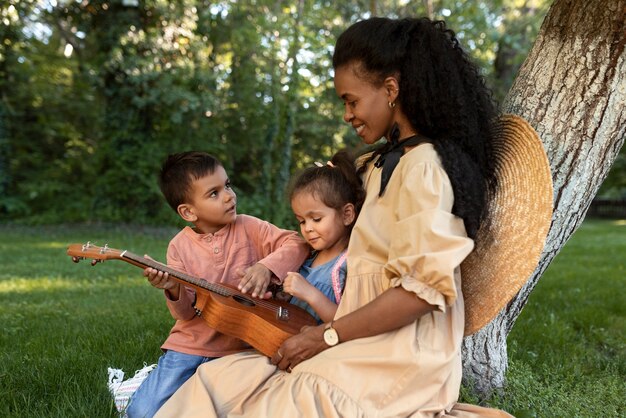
217 258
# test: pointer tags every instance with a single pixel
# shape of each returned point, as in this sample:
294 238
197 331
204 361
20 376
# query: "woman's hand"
300 347
393 309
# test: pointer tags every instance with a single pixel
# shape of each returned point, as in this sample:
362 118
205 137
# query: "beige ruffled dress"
409 238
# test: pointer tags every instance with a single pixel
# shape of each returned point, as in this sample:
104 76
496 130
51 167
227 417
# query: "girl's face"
366 106
324 228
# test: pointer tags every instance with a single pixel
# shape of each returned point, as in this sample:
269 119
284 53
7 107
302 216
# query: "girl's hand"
300 347
297 286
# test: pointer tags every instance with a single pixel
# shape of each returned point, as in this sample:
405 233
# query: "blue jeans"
173 369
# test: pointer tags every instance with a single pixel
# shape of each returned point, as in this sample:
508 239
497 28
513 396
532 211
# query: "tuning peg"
76 259
94 262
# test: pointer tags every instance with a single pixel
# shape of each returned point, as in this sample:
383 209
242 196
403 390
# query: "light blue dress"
322 278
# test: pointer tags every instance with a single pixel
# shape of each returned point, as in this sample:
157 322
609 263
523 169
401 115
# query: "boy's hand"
256 279
296 285
161 280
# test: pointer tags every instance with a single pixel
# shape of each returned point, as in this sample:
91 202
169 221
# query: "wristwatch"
330 335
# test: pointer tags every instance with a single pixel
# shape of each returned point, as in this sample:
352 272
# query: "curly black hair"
442 94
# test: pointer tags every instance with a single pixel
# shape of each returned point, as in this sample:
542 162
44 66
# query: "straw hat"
511 238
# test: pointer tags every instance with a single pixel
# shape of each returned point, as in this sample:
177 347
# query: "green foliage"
64 324
93 95
614 186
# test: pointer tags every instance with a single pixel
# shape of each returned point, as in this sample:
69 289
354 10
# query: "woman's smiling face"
366 106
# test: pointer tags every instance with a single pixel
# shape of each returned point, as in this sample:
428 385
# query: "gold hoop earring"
391 105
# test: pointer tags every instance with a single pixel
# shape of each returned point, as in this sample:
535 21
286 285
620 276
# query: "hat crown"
511 238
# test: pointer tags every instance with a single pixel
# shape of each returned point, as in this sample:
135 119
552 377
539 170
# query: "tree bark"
572 90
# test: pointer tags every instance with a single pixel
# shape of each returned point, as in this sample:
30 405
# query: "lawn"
64 324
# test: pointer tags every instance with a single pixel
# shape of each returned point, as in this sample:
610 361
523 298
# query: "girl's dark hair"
335 185
442 94
180 170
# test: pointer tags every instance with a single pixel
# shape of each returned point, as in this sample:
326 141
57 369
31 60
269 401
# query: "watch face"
330 337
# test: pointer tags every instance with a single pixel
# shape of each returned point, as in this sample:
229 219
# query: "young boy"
221 247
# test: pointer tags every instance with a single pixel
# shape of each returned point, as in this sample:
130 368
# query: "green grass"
64 324
567 349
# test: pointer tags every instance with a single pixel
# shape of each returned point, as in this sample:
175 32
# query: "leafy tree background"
94 94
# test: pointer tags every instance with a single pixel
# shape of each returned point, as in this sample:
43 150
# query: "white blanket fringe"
122 390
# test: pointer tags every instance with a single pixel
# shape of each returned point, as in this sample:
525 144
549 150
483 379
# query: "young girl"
326 200
394 346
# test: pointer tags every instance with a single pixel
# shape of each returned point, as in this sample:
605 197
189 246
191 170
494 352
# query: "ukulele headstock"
94 252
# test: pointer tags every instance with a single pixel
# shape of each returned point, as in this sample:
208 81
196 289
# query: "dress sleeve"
181 309
428 242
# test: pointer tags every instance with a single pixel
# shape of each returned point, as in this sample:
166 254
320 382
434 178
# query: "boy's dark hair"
441 92
335 185
179 170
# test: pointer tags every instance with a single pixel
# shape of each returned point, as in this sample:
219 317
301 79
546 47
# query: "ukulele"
264 324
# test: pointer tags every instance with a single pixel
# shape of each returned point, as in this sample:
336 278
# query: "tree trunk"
291 102
571 89
428 5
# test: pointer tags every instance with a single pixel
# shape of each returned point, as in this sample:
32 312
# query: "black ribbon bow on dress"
391 152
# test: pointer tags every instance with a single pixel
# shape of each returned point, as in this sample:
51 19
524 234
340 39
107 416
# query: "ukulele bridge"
282 314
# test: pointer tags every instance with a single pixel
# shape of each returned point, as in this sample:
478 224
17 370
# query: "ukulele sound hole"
243 301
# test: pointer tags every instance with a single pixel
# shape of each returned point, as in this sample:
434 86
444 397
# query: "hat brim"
512 236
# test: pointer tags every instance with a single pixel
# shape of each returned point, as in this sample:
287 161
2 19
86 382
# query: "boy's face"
212 202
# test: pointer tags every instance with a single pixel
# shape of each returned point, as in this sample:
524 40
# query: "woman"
394 347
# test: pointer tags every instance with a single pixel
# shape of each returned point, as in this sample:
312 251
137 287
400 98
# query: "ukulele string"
212 287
